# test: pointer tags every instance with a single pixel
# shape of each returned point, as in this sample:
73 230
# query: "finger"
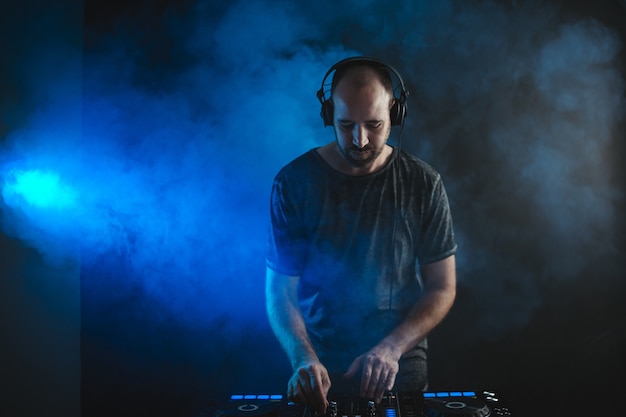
381 387
321 384
291 396
369 380
293 390
365 381
318 398
391 379
387 383
305 391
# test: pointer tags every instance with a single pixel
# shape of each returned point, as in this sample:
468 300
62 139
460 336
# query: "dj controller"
393 404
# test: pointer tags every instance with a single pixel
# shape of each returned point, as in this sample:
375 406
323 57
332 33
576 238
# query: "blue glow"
390 412
249 397
236 397
429 395
443 394
469 394
276 397
42 189
456 394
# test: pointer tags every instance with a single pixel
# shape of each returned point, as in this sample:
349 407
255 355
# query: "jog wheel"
251 410
457 407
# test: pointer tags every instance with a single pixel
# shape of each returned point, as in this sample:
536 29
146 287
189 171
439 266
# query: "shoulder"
413 167
301 166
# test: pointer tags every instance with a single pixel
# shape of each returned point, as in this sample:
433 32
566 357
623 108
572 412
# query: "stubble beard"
360 162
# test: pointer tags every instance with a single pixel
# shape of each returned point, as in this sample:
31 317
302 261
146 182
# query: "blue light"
276 397
42 189
390 412
429 395
443 394
263 397
249 397
469 394
456 394
236 397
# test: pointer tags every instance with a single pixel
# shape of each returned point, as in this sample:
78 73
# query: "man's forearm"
310 381
434 304
424 317
286 319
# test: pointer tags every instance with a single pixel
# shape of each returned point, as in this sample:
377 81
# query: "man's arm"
310 382
380 365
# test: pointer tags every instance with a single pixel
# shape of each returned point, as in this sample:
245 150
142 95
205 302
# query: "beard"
360 157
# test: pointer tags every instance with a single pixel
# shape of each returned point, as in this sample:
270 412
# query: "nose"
359 137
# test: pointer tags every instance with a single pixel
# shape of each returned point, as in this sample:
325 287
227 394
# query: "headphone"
397 111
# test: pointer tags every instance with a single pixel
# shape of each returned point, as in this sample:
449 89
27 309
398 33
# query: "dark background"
142 294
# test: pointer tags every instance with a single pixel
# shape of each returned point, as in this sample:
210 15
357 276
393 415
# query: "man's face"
361 120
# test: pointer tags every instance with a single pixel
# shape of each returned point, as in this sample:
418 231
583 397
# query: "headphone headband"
398 110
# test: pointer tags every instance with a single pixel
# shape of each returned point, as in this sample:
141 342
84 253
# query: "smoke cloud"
182 123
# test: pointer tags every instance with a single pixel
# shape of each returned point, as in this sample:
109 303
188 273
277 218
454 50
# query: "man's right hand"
310 384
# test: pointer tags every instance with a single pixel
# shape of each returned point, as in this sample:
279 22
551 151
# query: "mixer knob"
371 409
333 408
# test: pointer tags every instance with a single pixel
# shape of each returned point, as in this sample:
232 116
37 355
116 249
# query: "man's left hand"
378 368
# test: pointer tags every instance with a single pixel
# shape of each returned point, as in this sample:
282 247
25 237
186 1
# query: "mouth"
361 151
359 154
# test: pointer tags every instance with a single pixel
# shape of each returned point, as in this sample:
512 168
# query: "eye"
346 125
375 125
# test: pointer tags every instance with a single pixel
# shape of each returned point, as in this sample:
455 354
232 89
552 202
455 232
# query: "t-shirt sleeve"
437 231
287 243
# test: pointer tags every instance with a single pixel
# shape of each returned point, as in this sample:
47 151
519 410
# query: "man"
351 224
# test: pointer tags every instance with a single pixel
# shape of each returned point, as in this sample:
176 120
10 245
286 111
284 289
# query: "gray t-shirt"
357 242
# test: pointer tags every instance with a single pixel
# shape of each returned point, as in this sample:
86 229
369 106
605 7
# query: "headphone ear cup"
327 112
397 112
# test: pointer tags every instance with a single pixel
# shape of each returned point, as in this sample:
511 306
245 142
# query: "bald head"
361 75
362 84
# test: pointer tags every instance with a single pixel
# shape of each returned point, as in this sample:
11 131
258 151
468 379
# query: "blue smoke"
167 155
39 190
